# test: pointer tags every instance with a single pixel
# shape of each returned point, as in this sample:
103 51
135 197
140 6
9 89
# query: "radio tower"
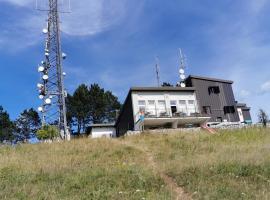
51 89
182 70
157 72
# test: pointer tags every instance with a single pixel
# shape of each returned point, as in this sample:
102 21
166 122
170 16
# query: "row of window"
226 109
162 102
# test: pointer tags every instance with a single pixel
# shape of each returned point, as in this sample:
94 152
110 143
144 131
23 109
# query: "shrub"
48 132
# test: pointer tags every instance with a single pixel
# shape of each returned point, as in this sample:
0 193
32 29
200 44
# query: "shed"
102 130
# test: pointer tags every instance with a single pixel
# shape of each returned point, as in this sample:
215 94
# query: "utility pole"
51 89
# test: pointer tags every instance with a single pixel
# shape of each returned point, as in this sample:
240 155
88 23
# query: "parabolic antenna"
45 77
181 71
182 76
48 101
183 85
40 109
45 31
39 85
41 96
41 68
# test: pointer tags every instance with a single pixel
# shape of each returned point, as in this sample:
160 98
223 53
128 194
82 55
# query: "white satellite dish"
45 77
64 56
64 73
41 68
47 54
48 101
45 31
181 71
41 96
182 76
50 96
183 84
39 85
40 109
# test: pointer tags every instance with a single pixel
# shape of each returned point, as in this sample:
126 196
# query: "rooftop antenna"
157 71
51 88
182 70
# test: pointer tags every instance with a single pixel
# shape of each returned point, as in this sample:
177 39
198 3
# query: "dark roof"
102 125
211 79
151 89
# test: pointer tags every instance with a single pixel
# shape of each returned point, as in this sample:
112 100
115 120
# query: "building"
102 130
159 107
203 100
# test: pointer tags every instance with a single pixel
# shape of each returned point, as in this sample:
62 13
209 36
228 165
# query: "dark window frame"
213 90
229 109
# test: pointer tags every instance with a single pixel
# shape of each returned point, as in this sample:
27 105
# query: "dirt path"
169 181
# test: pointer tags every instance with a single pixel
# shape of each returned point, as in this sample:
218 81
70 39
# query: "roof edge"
210 79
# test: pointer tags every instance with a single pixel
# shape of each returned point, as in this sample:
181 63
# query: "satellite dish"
64 56
41 68
48 101
45 77
64 73
182 76
39 85
47 54
41 96
183 85
40 109
45 31
181 71
50 96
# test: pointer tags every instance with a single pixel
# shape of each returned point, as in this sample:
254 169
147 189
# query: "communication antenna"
157 71
182 70
51 88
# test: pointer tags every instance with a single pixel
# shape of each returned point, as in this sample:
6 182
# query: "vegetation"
91 105
228 165
6 126
263 117
48 132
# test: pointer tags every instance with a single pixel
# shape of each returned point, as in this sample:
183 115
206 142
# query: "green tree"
27 124
78 108
91 105
263 117
6 126
48 132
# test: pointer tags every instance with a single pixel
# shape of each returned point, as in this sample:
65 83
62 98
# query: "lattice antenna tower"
157 71
182 69
51 88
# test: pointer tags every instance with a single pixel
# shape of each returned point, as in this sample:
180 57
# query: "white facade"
98 132
164 103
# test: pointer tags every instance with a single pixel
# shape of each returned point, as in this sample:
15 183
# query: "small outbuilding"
102 130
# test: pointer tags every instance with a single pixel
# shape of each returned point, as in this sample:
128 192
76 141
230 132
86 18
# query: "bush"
48 132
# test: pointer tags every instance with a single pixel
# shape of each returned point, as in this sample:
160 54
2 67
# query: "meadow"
232 164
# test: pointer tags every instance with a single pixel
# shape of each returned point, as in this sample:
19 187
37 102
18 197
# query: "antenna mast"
157 72
182 70
51 88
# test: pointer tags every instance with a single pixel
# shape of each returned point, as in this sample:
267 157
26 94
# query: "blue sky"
114 43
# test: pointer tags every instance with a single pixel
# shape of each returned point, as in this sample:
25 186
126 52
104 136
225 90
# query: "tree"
6 126
27 124
78 108
263 117
165 84
48 132
91 105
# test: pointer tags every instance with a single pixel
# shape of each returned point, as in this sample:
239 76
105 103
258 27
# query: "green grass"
228 165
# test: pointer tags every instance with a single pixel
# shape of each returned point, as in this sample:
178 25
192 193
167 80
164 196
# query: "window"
173 107
190 102
151 102
173 103
162 106
141 104
182 106
213 90
151 107
229 109
207 110
182 102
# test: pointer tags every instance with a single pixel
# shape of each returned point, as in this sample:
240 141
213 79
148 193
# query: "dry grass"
228 165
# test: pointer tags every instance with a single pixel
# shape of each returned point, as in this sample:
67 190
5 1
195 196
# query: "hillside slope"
227 165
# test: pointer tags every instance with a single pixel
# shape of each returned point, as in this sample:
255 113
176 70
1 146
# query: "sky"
114 43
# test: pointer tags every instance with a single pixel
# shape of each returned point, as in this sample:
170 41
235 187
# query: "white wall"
98 132
159 95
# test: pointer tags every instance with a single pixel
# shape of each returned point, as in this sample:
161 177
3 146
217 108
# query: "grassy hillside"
228 165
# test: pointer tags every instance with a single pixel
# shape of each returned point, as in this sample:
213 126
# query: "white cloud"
265 87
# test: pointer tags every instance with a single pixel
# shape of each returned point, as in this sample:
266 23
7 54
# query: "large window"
151 107
162 106
191 106
173 107
229 109
182 106
213 90
141 104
